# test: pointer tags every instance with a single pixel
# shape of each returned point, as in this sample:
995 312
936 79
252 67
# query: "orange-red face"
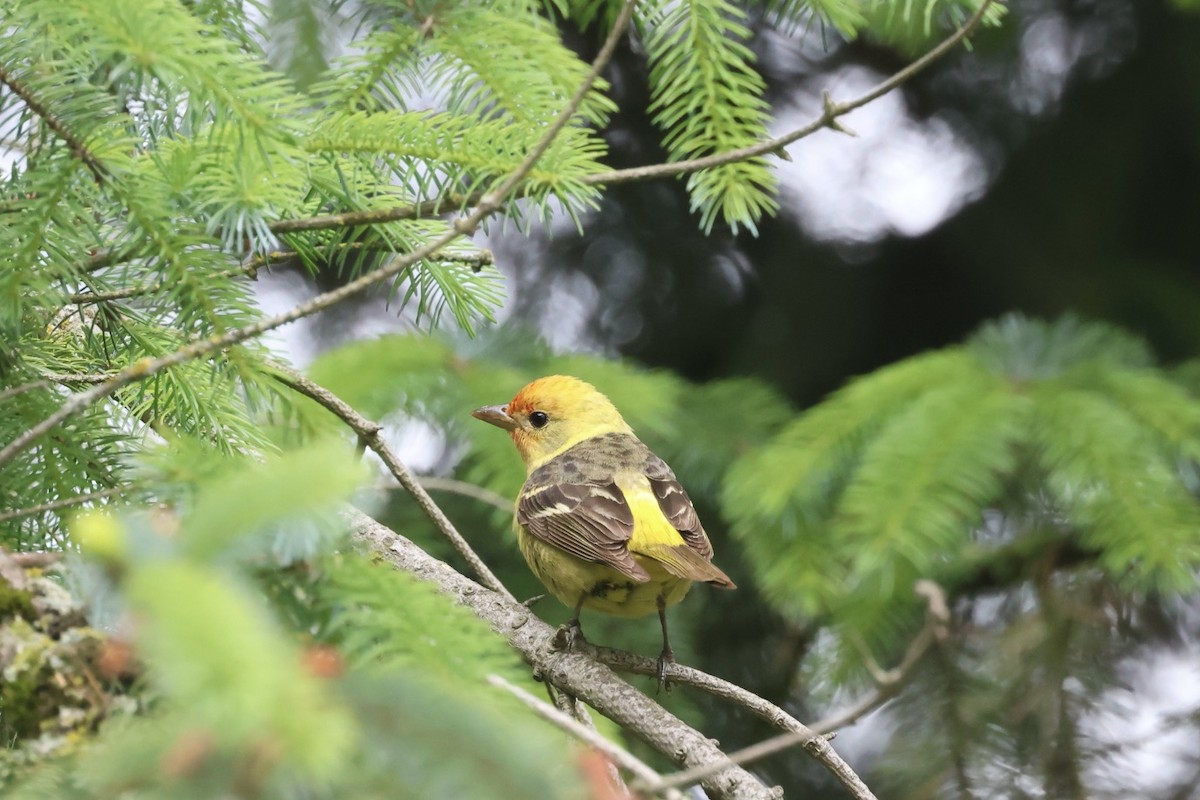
551 413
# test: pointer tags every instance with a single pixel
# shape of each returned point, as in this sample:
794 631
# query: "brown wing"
591 521
676 505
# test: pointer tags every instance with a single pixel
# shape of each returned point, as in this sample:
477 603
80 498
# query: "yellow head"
552 414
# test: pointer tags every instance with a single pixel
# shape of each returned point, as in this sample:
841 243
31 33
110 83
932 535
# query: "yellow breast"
602 588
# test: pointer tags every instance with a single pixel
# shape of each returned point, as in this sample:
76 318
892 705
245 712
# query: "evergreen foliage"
889 480
239 704
157 158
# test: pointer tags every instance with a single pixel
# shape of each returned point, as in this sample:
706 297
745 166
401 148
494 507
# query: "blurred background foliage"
1024 428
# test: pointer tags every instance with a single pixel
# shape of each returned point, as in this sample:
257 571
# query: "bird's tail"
682 561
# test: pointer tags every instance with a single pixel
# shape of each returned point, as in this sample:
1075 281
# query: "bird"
602 521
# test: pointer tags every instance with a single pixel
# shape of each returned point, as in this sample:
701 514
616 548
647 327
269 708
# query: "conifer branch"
78 148
369 435
198 348
831 112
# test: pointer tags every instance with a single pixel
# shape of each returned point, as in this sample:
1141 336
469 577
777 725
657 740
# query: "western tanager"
601 520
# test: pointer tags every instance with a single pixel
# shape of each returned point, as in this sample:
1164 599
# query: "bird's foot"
568 636
665 658
532 601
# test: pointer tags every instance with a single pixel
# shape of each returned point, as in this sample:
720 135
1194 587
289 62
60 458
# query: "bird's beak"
495 415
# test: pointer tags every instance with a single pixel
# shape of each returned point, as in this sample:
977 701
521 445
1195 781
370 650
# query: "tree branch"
354 219
831 111
573 672
369 434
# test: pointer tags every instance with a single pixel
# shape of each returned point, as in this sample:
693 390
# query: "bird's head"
551 414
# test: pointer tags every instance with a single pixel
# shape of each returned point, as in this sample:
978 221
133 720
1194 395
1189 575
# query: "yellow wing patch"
655 536
650 527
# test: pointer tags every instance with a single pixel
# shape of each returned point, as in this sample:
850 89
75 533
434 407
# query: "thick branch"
574 673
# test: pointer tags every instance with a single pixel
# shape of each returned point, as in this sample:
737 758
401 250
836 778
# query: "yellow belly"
604 588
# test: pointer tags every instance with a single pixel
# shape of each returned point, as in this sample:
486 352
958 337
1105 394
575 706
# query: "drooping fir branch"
488 205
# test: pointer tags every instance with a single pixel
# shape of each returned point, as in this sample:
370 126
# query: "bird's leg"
668 655
571 633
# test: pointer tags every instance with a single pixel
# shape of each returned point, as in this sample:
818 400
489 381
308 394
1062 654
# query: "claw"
568 636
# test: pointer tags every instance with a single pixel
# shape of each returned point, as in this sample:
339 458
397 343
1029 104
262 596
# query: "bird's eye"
538 419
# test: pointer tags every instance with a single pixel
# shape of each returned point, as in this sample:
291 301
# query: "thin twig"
488 204
354 219
370 436
676 673
32 386
829 115
465 489
76 377
744 756
888 683
252 265
618 754
66 502
815 743
49 379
